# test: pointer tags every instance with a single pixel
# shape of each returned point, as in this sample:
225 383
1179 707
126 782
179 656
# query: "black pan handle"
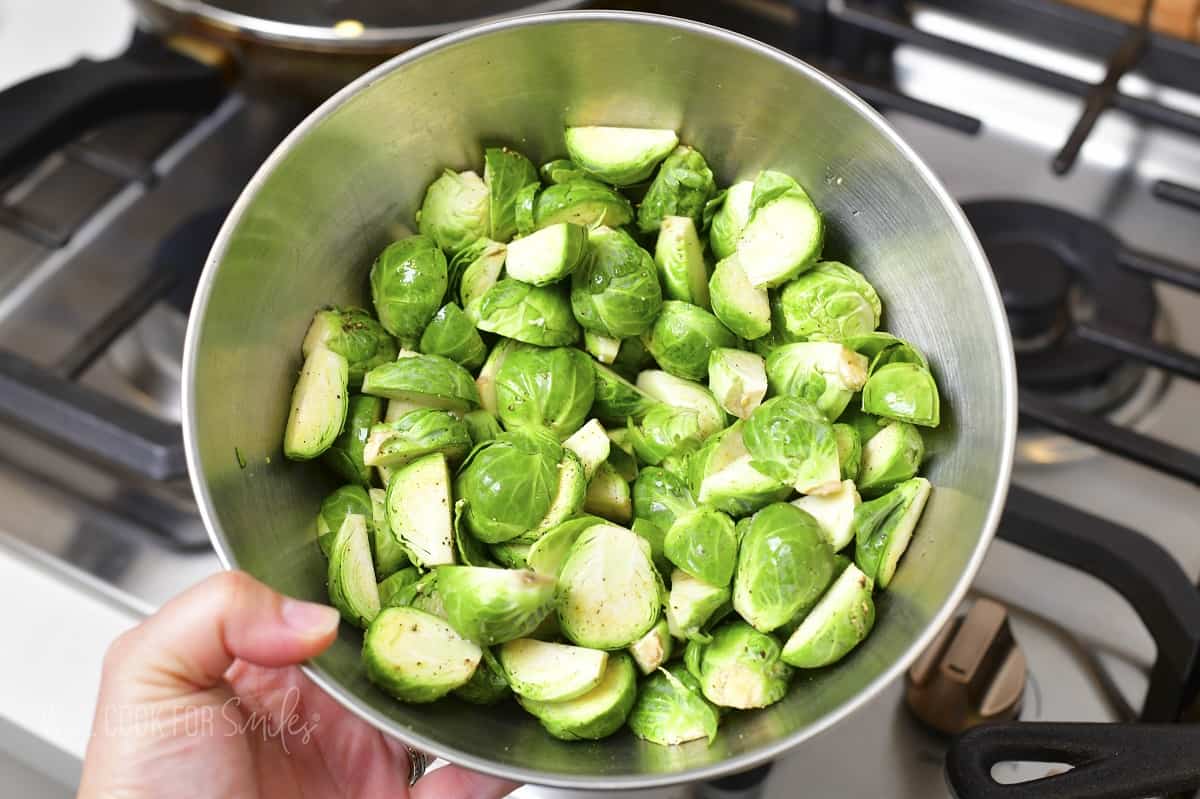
1111 761
46 111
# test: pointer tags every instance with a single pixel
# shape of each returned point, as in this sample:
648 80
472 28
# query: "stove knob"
973 672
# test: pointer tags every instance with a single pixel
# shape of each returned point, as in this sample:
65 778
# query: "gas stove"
1090 227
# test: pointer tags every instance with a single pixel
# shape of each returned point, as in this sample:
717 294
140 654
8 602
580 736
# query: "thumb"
192 640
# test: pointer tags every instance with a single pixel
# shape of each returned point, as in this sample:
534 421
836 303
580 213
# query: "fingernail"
308 617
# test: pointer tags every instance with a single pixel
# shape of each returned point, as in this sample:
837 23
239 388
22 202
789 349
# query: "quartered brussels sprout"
671 709
620 156
547 255
891 456
618 400
355 335
834 513
388 552
904 391
823 372
722 474
598 713
608 495
509 484
505 173
591 445
560 170
549 552
538 315
491 606
831 302
429 381
345 454
549 672
581 201
396 584
552 388
653 649
685 395
608 590
415 434
740 667
702 543
884 526
419 510
615 291
836 624
679 256
474 271
487 685
693 603
660 497
738 380
603 348
784 564
740 306
789 439
417 657
319 404
682 187
352 587
345 501
684 336
408 282
849 446
665 431
481 426
729 220
456 210
785 232
452 335
486 382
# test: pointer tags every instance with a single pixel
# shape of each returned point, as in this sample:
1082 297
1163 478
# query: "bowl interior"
348 182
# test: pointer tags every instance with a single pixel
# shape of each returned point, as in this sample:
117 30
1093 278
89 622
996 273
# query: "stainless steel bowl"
347 181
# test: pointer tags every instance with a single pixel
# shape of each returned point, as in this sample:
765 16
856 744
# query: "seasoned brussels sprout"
582 201
730 219
617 399
824 373
319 404
345 454
491 606
591 445
419 512
608 590
388 552
608 496
738 380
836 624
741 307
684 336
456 210
396 583
722 474
740 667
352 587
549 552
429 381
883 527
620 156
903 391
549 672
660 497
509 484
551 388
560 170
603 348
785 232
415 434
665 431
355 335
891 456
671 709
486 382
598 713
679 256
505 173
487 685
681 188
849 447
548 255
831 302
615 292
474 271
408 282
452 335
789 439
417 657
481 426
834 513
692 603
784 564
686 395
703 544
653 649
538 315
345 501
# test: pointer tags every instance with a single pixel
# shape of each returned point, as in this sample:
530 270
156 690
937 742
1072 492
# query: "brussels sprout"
684 336
408 282
355 335
656 539
883 527
509 484
703 544
474 271
671 709
617 399
419 512
481 427
452 335
740 667
784 235
692 603
487 685
824 373
623 462
569 497
684 394
620 156
903 391
834 513
790 439
837 624
428 380
591 445
603 348
560 170
395 584
456 210
660 497
415 434
538 315
831 302
730 219
632 358
526 209
880 348
491 606
598 713
608 590
388 552
551 388
352 587
864 424
665 431
608 496
423 595
741 307
417 657
549 552
849 447
319 404
582 201
547 672
722 474
738 379
471 551
548 255
653 649
679 256
345 501
891 456
681 188
505 172
784 564
511 554
345 455
615 292
486 382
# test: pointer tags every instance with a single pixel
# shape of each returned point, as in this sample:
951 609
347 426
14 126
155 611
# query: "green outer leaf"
616 292
548 553
702 543
660 497
408 282
417 433
345 501
682 187
426 375
471 551
451 335
395 584
481 426
345 456
487 685
665 431
538 315
355 335
616 399
505 172
583 201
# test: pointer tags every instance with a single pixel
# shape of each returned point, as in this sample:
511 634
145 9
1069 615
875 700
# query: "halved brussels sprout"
671 709
722 474
685 394
598 713
548 255
880 348
740 306
784 235
824 373
452 335
417 657
834 513
505 172
552 388
836 624
784 564
474 271
831 302
395 584
319 403
456 210
656 539
560 170
419 512
730 219
415 434
511 554
684 336
408 282
608 495
681 188
740 667
891 456
591 445
608 590
345 454
582 201
486 382
653 649
904 391
603 348
620 156
352 587
665 431
549 552
355 335
660 497
883 527
538 315
487 685
481 426
617 399
738 380
849 447
430 381
702 543
615 292
509 484
388 552
491 606
548 672
679 256
692 603
790 439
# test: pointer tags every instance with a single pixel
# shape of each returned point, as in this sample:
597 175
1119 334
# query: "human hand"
204 699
